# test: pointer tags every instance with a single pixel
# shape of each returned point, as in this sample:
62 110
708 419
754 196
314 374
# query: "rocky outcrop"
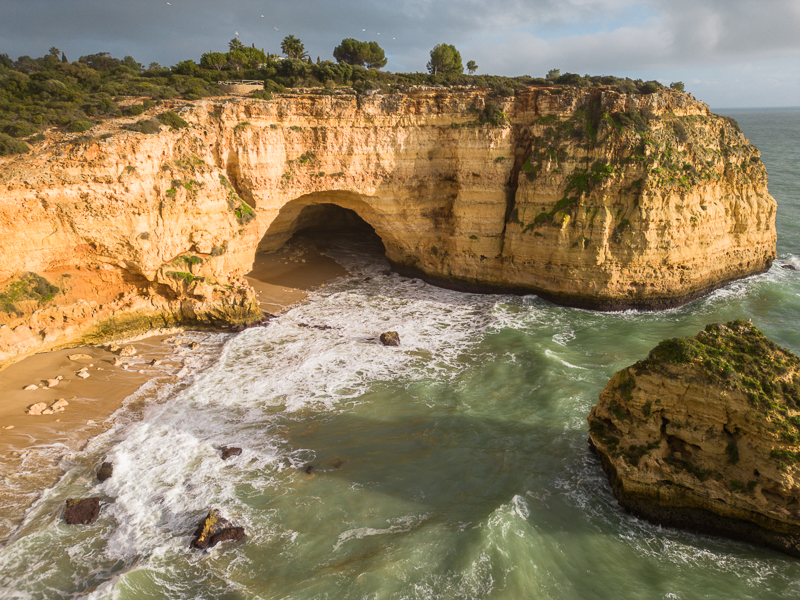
390 338
82 511
214 529
705 434
586 196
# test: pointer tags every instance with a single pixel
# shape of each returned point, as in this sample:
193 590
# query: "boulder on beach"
83 373
704 434
36 409
79 357
53 382
82 511
214 529
390 338
229 451
128 351
105 471
59 405
30 387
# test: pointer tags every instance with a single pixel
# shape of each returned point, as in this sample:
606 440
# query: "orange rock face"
587 197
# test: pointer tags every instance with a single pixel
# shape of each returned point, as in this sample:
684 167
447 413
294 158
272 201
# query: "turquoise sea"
455 466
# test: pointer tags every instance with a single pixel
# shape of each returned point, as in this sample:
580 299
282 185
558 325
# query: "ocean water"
454 466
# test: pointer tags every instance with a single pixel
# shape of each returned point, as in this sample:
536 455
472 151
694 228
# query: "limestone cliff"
587 197
705 434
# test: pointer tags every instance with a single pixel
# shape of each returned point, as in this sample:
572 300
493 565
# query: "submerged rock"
214 529
82 511
229 451
390 338
704 434
105 471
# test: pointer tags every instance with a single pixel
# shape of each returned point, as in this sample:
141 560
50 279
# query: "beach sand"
31 447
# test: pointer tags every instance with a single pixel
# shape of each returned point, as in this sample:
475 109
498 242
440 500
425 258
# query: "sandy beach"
31 446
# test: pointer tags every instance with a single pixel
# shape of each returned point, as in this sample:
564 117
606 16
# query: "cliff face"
705 434
586 197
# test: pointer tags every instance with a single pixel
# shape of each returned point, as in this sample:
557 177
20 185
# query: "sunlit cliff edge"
584 196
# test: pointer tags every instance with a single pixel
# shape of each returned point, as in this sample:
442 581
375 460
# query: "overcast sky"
728 53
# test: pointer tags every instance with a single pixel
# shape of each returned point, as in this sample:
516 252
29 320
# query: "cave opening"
293 255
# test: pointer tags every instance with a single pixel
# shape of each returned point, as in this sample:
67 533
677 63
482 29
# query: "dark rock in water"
214 529
322 327
789 267
105 471
309 469
390 338
239 328
228 451
82 511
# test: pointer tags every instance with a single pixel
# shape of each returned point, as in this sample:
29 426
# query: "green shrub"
10 145
171 119
134 110
146 126
79 126
262 94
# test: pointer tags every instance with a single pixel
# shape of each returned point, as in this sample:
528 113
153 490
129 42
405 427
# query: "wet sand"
31 446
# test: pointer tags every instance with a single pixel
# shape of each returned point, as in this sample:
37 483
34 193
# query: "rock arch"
317 208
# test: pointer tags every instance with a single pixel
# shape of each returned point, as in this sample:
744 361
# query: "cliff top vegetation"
50 91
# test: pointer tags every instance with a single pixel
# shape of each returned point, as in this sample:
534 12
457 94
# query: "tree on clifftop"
472 66
365 54
293 47
445 59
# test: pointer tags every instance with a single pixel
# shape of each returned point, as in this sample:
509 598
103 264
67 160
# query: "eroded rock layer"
705 434
587 197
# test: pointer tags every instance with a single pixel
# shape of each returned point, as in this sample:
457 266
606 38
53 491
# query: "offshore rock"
390 338
230 451
705 435
586 196
82 511
214 529
105 471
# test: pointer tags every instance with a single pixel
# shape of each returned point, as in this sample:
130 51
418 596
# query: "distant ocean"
454 466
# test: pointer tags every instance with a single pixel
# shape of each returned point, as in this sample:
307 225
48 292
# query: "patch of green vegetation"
473 237
296 128
187 277
172 119
499 159
30 286
79 126
602 431
633 454
307 157
190 259
9 145
241 126
738 356
148 126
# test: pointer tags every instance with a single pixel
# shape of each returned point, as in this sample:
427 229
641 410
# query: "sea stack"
704 434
